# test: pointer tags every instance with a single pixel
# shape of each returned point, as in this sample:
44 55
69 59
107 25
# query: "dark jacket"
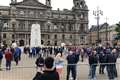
99 49
47 75
39 62
93 60
111 58
108 50
102 58
72 59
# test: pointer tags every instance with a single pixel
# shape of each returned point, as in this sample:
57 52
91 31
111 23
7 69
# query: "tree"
117 29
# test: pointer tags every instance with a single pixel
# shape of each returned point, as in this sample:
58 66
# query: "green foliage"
117 29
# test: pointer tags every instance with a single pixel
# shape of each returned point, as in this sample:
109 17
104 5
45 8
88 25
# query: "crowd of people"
10 54
51 67
44 51
104 56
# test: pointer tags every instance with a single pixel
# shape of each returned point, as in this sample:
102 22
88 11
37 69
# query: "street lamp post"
106 30
97 14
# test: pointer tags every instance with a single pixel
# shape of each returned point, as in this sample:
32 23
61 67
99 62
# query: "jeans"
72 69
16 60
112 71
92 72
115 71
8 64
101 68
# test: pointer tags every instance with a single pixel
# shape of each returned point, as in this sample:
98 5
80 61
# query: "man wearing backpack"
1 57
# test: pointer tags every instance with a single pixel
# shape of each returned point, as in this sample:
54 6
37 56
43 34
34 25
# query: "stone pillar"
26 25
75 32
9 39
17 25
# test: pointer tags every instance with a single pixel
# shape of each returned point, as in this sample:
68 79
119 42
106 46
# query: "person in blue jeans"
93 61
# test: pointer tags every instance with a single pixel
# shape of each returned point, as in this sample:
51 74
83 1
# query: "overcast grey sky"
110 8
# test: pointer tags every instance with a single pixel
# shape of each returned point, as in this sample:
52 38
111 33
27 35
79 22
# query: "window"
82 27
81 5
55 36
70 27
42 35
63 36
77 4
48 36
13 25
70 36
81 16
82 37
114 36
31 12
66 17
48 43
55 26
42 42
48 27
62 27
13 36
55 43
4 35
41 13
22 25
21 12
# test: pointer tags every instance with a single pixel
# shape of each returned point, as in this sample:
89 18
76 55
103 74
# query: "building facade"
107 34
57 26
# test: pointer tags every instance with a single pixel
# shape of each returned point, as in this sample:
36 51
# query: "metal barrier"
27 73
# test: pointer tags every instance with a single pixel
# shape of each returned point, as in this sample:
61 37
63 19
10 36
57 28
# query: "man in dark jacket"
99 49
108 49
114 52
111 66
72 60
93 61
49 73
102 61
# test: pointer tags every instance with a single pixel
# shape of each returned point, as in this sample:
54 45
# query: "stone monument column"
35 40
